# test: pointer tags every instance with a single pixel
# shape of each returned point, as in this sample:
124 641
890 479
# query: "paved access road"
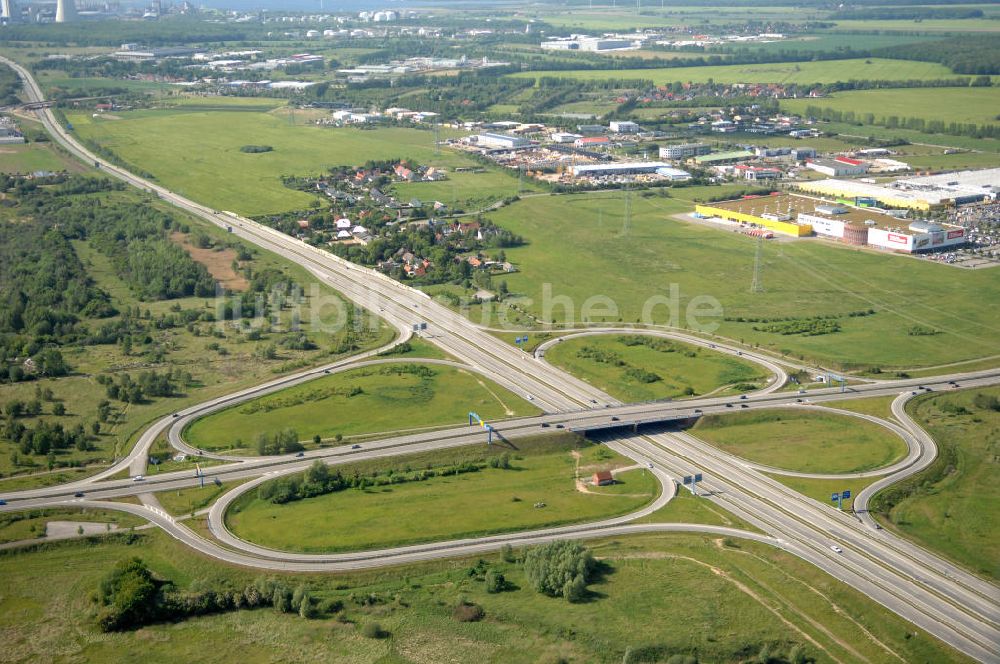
948 602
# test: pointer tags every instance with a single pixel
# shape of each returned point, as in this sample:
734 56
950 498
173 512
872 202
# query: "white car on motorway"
836 549
138 478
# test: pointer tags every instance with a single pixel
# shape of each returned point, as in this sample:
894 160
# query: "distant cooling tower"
65 11
7 10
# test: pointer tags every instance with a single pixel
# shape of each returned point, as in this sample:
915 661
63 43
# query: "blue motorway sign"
687 479
697 477
834 497
845 494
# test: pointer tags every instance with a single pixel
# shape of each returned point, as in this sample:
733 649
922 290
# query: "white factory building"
631 168
623 127
684 151
838 167
499 141
588 43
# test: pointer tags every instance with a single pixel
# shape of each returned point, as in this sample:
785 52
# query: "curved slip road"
778 374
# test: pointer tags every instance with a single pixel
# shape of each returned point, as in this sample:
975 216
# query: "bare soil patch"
218 263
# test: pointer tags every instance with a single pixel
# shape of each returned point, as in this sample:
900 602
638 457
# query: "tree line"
925 125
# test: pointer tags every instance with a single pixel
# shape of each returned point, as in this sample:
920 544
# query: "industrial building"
587 43
684 150
499 141
720 158
775 213
800 216
630 168
136 54
756 173
838 167
624 127
801 154
564 137
917 193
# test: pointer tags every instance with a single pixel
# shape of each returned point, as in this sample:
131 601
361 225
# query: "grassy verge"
187 501
371 399
643 368
538 490
803 441
821 490
952 507
877 406
686 508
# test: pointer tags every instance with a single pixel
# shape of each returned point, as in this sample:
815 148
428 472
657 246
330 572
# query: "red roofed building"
603 478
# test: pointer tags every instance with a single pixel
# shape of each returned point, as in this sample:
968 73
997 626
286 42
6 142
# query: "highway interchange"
943 599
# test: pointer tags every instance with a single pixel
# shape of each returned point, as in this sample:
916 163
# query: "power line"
627 223
757 286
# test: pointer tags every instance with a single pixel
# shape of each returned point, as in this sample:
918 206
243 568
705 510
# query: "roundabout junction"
954 605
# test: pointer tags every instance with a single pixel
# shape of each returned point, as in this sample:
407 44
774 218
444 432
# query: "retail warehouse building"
800 216
917 193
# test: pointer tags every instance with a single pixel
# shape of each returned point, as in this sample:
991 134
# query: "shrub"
373 630
495 582
468 612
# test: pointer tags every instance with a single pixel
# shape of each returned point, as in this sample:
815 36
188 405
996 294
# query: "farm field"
963 105
385 398
826 71
648 581
538 490
576 245
621 366
803 441
938 25
198 153
952 507
51 80
854 131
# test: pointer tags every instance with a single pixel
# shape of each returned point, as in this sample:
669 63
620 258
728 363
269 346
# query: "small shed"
603 478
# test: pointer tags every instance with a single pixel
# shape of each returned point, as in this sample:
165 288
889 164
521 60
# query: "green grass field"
32 157
877 406
593 359
964 105
953 506
467 190
802 441
388 401
197 153
826 71
576 245
484 502
761 596
185 501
